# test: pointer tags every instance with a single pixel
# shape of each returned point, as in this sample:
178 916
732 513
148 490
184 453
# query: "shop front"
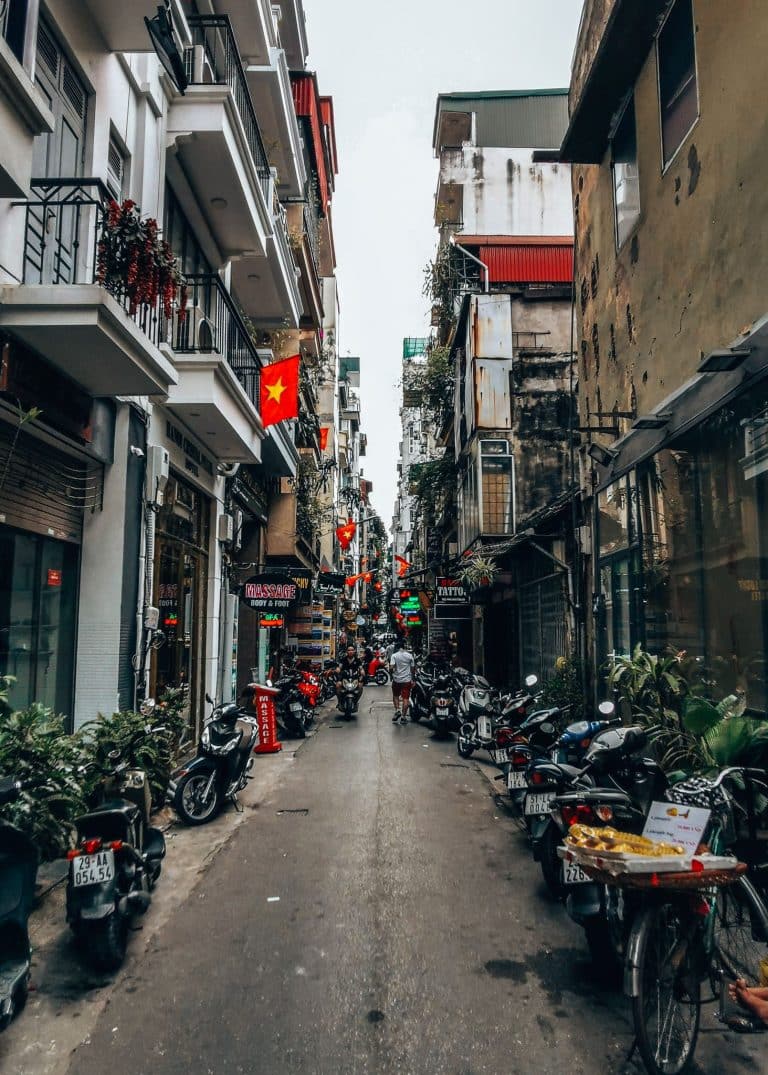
683 556
181 583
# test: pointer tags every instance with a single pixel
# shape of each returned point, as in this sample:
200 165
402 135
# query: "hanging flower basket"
133 262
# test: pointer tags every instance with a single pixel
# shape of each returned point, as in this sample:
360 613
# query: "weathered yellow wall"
692 277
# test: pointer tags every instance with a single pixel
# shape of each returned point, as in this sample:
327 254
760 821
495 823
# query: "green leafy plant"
432 481
564 687
34 744
478 570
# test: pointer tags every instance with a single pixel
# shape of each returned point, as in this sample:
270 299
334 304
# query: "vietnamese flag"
279 394
324 430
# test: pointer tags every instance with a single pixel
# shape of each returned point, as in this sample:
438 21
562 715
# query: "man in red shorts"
401 666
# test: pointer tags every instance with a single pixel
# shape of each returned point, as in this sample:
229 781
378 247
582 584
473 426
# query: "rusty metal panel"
491 326
492 402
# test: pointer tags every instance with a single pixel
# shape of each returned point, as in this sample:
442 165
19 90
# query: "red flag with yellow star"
280 391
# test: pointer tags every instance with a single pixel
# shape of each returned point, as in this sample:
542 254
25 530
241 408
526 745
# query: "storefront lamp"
725 360
602 456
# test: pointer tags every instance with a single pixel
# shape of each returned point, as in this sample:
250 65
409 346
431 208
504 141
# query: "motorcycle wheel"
551 866
381 678
186 801
414 713
106 941
464 747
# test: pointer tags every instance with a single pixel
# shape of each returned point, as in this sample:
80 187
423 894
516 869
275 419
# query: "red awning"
319 112
513 259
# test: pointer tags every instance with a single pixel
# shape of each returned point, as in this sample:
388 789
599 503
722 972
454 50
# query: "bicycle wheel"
666 1009
739 931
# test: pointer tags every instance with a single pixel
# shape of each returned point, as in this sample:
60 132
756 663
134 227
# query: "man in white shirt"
401 666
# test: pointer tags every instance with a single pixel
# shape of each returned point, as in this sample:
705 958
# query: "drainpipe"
466 253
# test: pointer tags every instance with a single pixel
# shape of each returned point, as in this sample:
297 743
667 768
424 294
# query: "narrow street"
377 913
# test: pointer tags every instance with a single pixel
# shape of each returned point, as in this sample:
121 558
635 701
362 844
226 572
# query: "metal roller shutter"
44 490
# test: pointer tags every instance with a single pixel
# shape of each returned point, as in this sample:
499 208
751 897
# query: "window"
626 183
116 170
678 92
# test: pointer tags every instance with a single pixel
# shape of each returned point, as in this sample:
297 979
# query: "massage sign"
269 593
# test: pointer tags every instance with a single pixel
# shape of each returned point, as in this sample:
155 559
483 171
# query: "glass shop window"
678 91
616 508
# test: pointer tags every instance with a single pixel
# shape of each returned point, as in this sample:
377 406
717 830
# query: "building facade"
667 189
164 233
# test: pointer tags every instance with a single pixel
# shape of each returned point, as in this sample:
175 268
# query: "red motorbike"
309 687
377 670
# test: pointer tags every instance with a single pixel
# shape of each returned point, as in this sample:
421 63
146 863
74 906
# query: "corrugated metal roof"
512 119
524 260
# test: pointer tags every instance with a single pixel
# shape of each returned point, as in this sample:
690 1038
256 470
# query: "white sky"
384 64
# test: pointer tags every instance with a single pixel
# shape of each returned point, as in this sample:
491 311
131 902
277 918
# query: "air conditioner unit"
226 528
158 468
202 70
195 332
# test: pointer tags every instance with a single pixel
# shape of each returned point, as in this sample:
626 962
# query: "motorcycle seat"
154 843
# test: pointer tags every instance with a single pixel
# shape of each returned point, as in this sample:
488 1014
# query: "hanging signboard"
269 593
451 600
271 621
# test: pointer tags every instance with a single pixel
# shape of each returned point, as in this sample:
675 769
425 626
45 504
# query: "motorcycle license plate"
516 781
93 869
574 875
538 803
499 756
442 711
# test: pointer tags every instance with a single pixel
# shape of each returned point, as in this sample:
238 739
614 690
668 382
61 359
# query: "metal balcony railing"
213 325
65 220
281 236
312 229
214 58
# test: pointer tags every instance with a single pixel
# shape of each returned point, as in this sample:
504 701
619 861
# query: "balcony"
121 24
215 135
268 287
254 27
89 330
270 86
293 33
303 231
217 395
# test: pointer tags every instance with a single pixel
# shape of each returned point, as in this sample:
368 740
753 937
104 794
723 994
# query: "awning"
691 404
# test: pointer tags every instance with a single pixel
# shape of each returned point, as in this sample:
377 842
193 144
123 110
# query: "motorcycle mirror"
114 755
208 699
607 708
531 681
147 707
547 728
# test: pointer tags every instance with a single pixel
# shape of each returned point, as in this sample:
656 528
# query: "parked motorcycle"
421 691
220 768
115 864
443 703
294 716
627 782
328 680
485 720
18 870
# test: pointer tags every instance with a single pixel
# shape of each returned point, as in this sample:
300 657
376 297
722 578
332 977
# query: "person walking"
401 666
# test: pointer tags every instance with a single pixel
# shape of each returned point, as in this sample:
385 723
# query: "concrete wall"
505 193
689 279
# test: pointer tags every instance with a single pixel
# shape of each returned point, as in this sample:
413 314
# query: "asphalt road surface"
380 914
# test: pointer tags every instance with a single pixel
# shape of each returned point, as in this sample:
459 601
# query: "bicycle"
713 929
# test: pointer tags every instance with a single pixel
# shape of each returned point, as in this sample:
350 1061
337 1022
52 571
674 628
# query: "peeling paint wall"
505 193
690 278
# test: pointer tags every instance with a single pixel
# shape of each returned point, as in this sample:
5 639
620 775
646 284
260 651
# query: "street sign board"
269 593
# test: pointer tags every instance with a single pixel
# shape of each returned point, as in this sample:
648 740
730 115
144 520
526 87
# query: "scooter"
115 864
377 671
443 704
293 714
349 696
18 870
221 767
